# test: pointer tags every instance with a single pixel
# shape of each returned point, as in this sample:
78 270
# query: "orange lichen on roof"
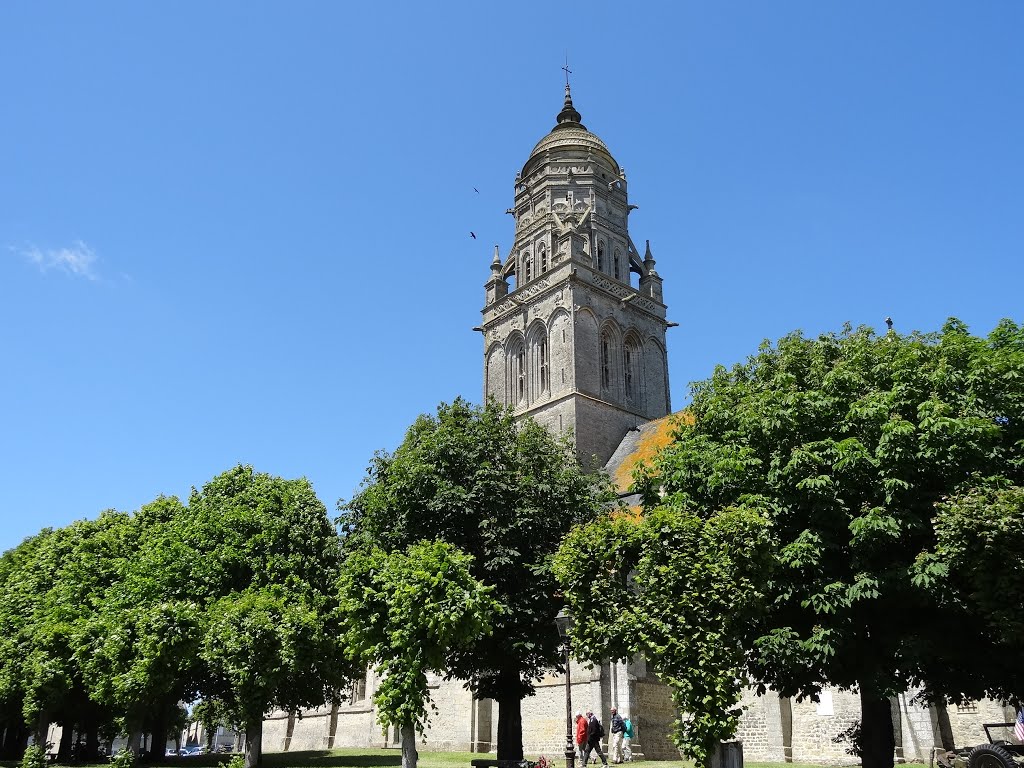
631 512
653 437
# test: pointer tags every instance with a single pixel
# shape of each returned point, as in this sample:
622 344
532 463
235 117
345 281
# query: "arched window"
527 267
616 264
606 361
515 370
542 358
543 259
520 375
600 256
631 370
627 372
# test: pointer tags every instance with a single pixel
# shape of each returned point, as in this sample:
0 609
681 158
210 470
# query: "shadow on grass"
311 759
326 759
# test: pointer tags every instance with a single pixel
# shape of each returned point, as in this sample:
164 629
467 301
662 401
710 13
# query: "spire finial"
568 113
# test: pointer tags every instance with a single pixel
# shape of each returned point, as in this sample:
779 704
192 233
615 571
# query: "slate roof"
640 446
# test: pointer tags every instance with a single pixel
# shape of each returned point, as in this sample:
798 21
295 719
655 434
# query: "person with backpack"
627 740
618 731
595 732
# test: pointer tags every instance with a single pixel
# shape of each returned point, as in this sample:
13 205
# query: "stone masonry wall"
816 724
461 724
761 729
653 716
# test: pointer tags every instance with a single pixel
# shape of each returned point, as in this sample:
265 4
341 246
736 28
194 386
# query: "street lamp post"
564 622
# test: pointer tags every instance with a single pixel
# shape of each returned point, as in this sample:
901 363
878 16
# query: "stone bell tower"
574 323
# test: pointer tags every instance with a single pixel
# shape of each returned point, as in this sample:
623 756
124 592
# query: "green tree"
975 574
264 558
846 444
404 612
142 658
505 492
23 588
631 580
56 617
210 714
50 602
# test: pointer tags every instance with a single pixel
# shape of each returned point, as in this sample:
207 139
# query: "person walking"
627 739
618 731
581 737
595 732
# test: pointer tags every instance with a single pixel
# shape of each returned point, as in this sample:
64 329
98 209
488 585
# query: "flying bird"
473 235
476 190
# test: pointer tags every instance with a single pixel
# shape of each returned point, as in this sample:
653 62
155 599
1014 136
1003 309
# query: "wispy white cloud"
78 259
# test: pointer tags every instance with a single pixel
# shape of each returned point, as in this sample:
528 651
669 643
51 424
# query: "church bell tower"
574 322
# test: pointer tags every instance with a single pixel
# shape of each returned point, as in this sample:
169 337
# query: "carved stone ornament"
572 169
620 291
522 294
573 220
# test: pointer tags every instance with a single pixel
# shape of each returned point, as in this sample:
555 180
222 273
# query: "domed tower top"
569 139
574 322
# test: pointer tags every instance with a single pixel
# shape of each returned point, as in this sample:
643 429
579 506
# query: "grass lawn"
383 758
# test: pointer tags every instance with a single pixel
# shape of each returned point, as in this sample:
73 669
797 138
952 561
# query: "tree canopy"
505 492
404 612
232 597
868 459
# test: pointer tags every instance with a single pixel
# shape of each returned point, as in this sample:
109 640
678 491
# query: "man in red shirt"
581 736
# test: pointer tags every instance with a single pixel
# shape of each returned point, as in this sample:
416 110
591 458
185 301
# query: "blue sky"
239 232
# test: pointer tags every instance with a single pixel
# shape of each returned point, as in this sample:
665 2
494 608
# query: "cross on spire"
567 70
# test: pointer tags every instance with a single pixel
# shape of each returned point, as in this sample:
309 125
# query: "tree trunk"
291 730
42 726
158 742
510 727
254 742
877 742
409 754
67 738
944 727
135 740
92 743
15 739
210 733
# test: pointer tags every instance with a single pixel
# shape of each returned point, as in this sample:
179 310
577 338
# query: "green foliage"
980 537
212 713
504 493
630 583
265 565
863 454
237 761
232 597
266 650
34 757
975 572
404 612
145 630
123 759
